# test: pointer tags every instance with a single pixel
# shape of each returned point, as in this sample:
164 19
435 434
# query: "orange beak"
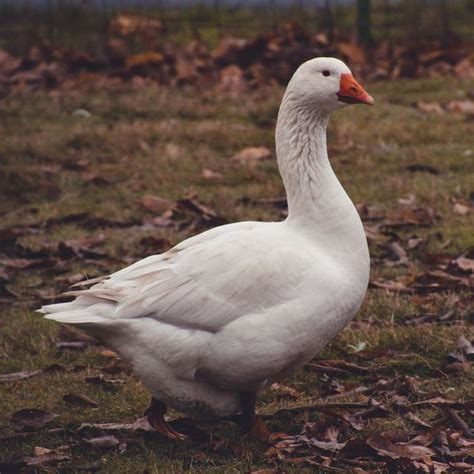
351 92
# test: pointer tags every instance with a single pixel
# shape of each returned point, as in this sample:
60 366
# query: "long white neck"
317 203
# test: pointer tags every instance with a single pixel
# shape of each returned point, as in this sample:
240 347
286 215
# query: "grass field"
155 141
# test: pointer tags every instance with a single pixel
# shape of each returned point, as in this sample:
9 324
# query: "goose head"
326 84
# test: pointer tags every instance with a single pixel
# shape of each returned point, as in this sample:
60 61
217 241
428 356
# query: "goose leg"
249 422
155 416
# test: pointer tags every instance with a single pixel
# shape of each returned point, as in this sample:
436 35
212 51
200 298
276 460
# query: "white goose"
208 324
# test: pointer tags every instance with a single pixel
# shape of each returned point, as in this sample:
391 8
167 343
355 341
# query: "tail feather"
55 308
85 309
77 316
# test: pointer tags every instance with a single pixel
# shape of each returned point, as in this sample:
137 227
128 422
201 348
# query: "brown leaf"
8 63
443 402
155 204
283 391
31 418
329 441
70 280
74 345
356 422
40 451
141 424
80 400
23 263
202 215
144 63
252 153
457 368
461 106
81 248
407 216
209 174
385 447
461 209
460 424
417 420
465 264
353 52
437 280
232 80
25 374
429 107
52 457
103 442
109 354
343 365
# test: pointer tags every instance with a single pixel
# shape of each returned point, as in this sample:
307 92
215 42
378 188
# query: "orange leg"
155 415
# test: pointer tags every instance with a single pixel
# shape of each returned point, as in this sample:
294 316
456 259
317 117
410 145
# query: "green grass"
156 141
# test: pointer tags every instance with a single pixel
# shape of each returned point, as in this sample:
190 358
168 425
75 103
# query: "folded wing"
204 282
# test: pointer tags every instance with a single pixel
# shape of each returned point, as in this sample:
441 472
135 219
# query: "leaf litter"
141 57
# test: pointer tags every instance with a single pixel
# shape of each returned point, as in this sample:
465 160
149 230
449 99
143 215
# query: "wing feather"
209 280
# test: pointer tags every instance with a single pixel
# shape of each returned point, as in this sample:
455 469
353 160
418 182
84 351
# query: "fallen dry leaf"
141 424
252 153
442 402
103 442
155 204
81 248
80 400
209 174
408 216
25 374
465 264
109 354
52 457
31 418
385 447
461 106
24 263
283 391
74 345
461 209
429 107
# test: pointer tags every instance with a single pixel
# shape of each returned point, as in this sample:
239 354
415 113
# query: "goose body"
239 306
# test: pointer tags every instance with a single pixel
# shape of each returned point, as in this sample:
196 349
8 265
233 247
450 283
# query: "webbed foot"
155 416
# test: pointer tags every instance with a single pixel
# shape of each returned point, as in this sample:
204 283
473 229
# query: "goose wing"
210 280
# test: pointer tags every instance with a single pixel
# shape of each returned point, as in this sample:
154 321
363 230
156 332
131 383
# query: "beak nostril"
352 92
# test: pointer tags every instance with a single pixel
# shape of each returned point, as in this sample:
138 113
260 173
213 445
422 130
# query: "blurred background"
182 42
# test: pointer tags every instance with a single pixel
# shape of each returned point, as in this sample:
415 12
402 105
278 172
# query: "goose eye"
326 73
